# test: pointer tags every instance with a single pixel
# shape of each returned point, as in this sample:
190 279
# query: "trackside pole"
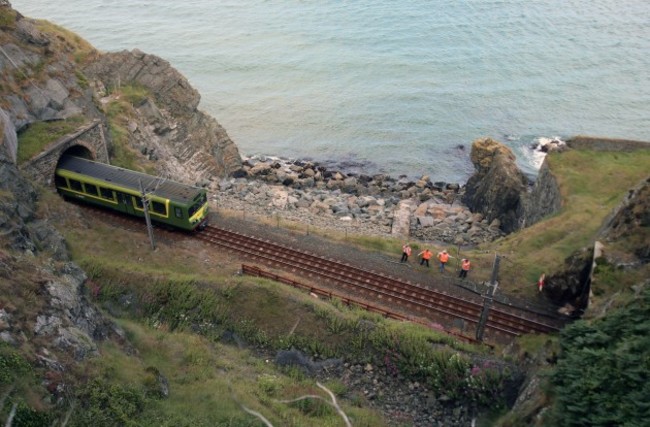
488 299
145 205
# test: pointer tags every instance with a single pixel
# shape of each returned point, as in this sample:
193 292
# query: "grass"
64 40
40 134
7 18
184 287
592 184
208 381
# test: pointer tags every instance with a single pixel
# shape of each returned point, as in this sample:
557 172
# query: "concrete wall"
88 139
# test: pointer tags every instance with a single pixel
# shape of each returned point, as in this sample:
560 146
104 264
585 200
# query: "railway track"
386 291
390 296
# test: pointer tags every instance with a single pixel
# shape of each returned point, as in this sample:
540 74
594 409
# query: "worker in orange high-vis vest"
464 268
443 257
426 256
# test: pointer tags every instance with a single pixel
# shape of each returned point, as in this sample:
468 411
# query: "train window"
178 211
106 193
138 202
60 181
75 185
196 206
91 189
158 208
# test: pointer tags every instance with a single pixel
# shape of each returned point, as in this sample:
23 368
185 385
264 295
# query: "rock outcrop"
500 191
542 199
42 82
61 316
497 187
171 122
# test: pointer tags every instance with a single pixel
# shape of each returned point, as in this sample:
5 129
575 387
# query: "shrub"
12 365
108 405
602 376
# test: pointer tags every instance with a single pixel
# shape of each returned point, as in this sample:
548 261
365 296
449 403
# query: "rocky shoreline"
309 193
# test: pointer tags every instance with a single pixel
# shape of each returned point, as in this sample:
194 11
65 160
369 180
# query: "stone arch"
88 142
80 150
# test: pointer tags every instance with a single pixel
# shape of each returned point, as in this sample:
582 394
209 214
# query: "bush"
603 373
104 404
12 365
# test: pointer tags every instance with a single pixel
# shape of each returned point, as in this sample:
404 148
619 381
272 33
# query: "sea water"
401 87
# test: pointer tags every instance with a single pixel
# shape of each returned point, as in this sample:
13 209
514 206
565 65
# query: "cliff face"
41 302
51 74
542 199
496 189
631 221
499 189
170 122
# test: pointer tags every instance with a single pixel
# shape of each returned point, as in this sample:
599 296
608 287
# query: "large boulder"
497 187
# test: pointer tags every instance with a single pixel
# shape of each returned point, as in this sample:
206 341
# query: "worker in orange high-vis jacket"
464 268
426 256
443 257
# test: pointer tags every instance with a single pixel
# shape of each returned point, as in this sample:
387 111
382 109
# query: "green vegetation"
18 380
63 40
39 135
603 373
592 184
7 18
169 300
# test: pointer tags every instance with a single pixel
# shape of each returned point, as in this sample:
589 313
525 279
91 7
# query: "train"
171 203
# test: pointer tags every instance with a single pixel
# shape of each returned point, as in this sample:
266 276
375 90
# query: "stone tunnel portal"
87 142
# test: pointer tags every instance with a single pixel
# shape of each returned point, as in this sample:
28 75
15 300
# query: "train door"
125 203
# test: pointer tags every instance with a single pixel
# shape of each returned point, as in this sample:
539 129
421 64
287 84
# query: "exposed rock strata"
497 187
631 221
542 199
61 315
500 191
43 83
195 139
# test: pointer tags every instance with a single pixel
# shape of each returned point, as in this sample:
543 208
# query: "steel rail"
449 305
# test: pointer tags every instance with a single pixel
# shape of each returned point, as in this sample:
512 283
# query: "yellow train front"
170 203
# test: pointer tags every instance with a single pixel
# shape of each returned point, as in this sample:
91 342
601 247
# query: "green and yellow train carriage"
170 203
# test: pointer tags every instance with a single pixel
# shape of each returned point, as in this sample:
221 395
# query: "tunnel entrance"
76 151
79 151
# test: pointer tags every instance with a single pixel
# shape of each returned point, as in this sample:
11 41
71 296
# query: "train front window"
196 206
91 189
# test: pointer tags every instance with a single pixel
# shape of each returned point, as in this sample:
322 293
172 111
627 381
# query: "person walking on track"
464 268
406 252
443 257
426 256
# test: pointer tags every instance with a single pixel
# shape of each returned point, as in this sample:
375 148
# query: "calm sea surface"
395 86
